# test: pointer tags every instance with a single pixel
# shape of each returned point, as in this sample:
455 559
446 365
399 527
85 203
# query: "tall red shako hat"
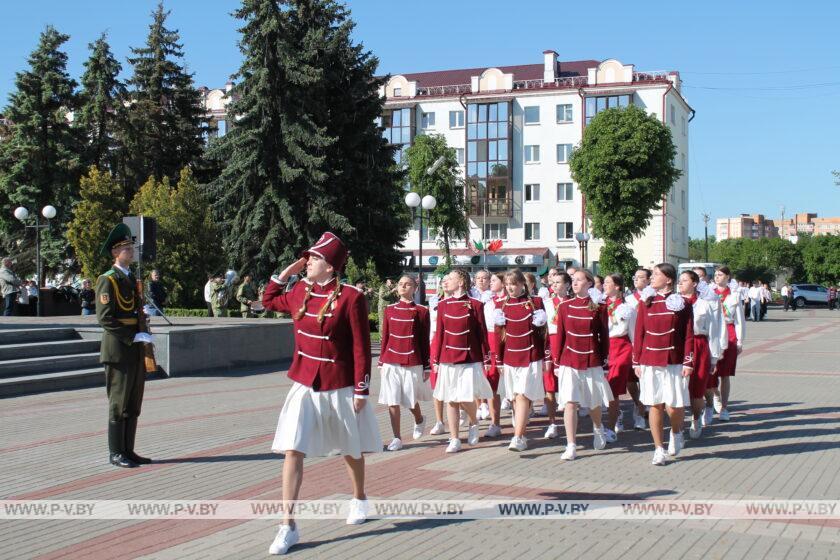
330 248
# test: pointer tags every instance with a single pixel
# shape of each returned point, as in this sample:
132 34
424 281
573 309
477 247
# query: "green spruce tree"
39 162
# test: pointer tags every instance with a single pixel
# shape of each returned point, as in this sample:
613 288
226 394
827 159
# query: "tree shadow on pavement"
220 458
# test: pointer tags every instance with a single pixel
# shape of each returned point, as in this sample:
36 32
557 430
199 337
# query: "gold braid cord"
302 311
122 303
330 300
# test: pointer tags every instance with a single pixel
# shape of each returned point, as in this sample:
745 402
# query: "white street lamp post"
428 203
583 238
49 213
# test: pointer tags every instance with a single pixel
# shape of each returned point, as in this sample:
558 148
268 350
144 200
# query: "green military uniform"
218 299
117 307
246 294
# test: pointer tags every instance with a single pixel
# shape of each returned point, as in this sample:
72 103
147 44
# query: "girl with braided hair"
326 411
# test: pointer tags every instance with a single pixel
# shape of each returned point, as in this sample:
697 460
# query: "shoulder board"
109 273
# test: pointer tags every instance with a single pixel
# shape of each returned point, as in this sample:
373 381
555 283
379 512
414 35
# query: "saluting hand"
294 268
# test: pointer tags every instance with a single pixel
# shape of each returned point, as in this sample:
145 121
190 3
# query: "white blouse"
709 321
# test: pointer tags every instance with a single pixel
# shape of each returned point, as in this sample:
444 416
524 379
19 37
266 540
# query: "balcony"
488 206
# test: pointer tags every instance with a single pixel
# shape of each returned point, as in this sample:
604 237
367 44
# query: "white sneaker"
454 446
610 435
659 457
570 454
583 411
483 411
723 415
639 421
463 421
717 403
599 439
493 431
358 512
286 538
518 443
395 445
543 410
696 429
619 425
675 443
708 416
552 431
437 429
472 435
505 404
419 429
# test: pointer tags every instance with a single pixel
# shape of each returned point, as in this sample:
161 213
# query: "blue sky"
764 77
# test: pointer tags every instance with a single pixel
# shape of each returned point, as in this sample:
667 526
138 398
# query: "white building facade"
513 129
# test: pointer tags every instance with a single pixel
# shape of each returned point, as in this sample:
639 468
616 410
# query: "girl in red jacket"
663 357
404 360
579 355
519 322
460 352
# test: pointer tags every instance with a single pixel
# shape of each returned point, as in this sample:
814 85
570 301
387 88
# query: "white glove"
540 318
144 337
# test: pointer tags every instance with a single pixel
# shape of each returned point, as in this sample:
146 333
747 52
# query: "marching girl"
560 285
404 360
641 291
579 355
460 353
663 357
434 302
622 319
710 340
733 313
497 290
325 410
519 320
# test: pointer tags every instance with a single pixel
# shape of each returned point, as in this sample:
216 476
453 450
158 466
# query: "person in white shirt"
786 296
766 298
208 293
755 301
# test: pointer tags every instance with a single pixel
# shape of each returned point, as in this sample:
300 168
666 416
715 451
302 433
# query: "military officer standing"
247 296
117 307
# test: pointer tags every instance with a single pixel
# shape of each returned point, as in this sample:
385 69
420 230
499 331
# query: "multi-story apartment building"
513 129
752 226
810 224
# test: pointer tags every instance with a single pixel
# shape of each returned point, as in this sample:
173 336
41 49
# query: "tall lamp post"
583 238
428 203
22 214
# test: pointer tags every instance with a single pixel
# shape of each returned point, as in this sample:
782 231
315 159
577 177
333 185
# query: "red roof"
520 72
460 252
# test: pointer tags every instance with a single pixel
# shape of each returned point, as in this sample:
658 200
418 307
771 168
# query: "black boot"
116 446
130 434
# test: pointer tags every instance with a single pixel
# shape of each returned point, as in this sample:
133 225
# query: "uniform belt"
128 321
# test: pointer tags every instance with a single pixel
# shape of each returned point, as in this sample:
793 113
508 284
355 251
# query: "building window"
673 114
397 92
684 237
532 154
673 196
428 120
564 152
495 231
684 126
565 230
564 113
673 232
564 192
459 155
682 162
221 128
532 193
398 129
456 119
682 198
532 231
427 234
532 115
489 155
595 105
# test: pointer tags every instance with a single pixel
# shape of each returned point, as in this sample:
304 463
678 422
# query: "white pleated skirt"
664 385
526 381
462 383
323 423
403 386
587 387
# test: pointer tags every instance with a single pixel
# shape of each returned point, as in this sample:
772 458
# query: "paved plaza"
210 438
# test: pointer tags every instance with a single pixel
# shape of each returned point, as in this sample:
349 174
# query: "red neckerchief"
724 293
612 303
693 299
638 295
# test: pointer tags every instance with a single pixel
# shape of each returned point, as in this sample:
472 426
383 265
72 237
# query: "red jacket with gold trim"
336 353
583 335
664 337
523 342
461 332
405 335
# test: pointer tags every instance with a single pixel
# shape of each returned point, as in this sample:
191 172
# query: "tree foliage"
821 259
624 167
618 257
448 219
697 249
758 259
304 154
101 207
39 162
187 236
